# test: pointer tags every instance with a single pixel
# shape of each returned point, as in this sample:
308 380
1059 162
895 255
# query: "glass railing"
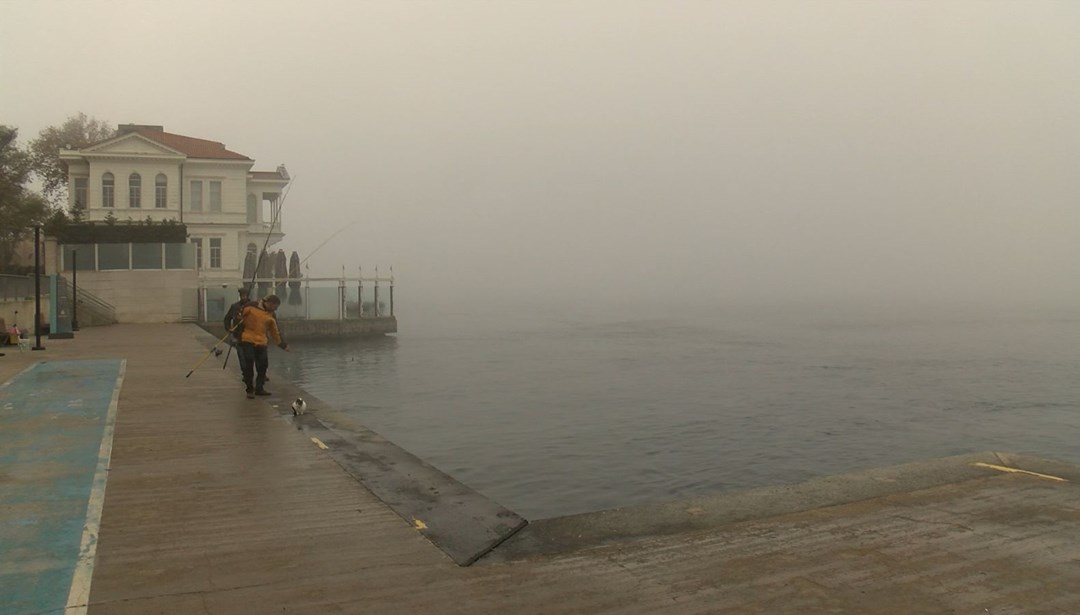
307 298
124 256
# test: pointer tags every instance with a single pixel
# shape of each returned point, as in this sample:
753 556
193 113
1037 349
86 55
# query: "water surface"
553 415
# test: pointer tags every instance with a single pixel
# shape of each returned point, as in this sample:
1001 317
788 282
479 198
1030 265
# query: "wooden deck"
219 504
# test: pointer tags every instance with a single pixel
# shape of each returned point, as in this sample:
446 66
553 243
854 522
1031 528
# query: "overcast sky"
614 150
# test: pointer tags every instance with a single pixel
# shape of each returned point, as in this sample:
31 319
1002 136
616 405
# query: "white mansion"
145 173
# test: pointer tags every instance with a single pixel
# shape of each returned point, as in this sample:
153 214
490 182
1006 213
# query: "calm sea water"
558 415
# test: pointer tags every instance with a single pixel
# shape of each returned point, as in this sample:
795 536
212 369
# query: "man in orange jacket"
258 320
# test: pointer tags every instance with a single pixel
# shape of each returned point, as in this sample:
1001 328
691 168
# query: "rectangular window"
215 253
80 193
160 193
215 196
196 195
198 252
107 198
134 194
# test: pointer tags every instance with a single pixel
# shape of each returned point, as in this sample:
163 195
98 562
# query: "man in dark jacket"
232 320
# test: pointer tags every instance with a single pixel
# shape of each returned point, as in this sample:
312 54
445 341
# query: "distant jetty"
312 307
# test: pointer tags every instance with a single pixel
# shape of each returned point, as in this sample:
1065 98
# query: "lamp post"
74 290
37 286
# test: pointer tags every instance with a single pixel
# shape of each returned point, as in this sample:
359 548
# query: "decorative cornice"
95 148
131 156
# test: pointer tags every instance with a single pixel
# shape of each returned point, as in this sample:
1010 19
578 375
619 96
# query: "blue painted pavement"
55 439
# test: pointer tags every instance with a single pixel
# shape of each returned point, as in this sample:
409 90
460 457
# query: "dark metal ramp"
462 522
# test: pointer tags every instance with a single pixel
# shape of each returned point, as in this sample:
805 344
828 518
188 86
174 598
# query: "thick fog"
615 152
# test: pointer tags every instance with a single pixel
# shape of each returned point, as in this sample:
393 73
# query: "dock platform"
219 504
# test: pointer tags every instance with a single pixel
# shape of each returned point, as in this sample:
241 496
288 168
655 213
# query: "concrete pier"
219 504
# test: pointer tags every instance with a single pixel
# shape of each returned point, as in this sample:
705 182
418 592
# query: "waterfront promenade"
219 504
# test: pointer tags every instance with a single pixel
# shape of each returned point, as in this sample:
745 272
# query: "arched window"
107 194
134 190
161 184
252 210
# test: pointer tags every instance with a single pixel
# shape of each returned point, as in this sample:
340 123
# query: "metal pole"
377 292
37 286
75 290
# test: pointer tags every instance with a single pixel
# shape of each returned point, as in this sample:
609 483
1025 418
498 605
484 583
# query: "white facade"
144 296
226 206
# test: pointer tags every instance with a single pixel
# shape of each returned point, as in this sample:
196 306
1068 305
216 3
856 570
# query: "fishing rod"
273 221
228 353
319 247
255 271
275 216
208 353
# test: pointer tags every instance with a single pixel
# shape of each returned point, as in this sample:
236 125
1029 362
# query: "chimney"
123 129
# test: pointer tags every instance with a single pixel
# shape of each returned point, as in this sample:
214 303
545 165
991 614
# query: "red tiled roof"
194 148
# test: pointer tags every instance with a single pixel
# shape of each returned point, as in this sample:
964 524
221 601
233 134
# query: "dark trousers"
253 363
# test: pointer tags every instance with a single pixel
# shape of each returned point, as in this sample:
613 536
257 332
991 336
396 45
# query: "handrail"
83 297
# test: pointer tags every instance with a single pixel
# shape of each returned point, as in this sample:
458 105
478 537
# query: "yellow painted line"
420 525
1018 471
319 443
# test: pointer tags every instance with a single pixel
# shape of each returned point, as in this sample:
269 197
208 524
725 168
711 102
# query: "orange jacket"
257 322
